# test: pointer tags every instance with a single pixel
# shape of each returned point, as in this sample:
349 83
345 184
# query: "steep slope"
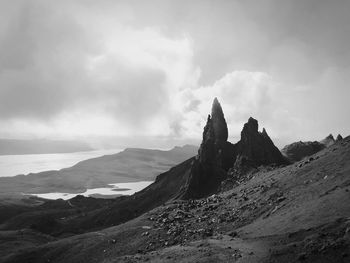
81 214
166 187
272 212
194 178
299 212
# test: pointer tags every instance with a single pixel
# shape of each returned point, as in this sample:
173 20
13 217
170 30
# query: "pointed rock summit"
218 122
216 156
214 137
339 138
256 148
213 159
328 141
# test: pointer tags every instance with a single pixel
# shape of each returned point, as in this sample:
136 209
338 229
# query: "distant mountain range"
130 165
13 146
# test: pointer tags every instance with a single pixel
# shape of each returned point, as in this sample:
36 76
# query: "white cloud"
74 68
241 94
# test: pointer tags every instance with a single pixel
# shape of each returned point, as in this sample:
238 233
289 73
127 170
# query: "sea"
12 165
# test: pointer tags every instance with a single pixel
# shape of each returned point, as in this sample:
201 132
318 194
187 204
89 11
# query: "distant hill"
12 146
299 150
130 165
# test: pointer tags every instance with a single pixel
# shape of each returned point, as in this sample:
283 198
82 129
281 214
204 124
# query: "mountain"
194 178
299 150
273 211
11 146
130 165
271 216
217 156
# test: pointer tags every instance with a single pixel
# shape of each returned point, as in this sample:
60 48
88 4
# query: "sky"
145 73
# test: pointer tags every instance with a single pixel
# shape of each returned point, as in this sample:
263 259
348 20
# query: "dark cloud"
62 57
43 70
258 35
42 54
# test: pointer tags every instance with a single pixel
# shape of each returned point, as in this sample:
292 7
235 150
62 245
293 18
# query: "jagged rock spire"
249 128
328 141
215 134
219 122
216 156
256 147
339 138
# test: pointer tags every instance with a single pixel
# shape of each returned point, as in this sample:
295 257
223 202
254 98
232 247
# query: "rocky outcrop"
218 122
298 150
256 148
328 141
216 156
213 159
339 138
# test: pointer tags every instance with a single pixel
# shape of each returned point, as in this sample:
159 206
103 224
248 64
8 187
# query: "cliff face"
218 122
216 155
213 159
256 148
328 141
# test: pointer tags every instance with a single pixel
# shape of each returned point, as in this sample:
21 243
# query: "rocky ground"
295 213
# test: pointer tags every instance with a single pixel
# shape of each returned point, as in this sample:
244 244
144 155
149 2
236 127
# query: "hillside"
299 150
130 165
271 216
233 202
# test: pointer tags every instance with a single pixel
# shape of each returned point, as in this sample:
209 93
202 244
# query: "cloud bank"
134 68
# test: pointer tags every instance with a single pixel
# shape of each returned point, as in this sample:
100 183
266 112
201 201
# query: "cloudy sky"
149 70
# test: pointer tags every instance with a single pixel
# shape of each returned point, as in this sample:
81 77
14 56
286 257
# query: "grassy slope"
288 214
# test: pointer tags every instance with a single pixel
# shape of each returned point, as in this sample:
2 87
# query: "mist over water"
12 165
